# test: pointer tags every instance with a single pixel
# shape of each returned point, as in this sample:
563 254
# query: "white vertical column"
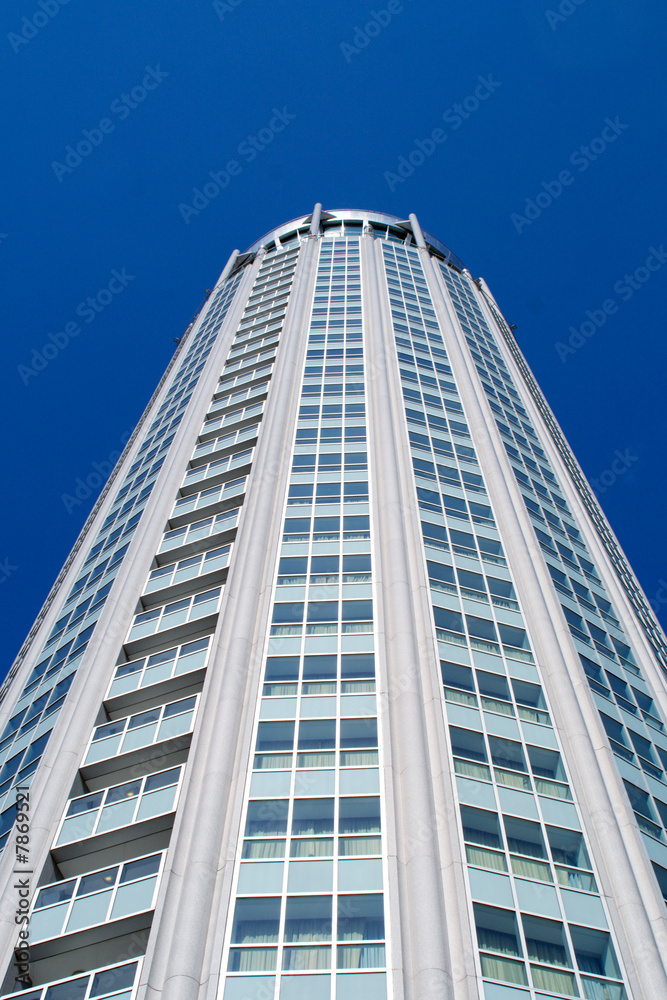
430 941
315 220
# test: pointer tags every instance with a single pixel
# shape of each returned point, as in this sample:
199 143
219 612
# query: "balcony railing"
116 981
146 729
177 613
196 501
95 898
225 441
120 806
159 667
245 413
188 569
188 534
246 377
218 467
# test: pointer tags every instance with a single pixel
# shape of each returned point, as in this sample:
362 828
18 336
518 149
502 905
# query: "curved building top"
352 220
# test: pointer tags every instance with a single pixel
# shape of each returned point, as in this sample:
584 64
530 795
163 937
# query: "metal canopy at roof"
355 215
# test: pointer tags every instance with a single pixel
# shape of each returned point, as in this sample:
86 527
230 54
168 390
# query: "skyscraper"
346 690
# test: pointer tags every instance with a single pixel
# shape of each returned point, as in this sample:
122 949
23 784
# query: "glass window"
288 612
497 934
113 981
313 817
524 837
441 577
282 668
449 621
319 667
356 733
481 827
317 734
457 675
256 921
357 665
359 815
360 917
267 817
308 918
467 743
274 736
507 753
322 611
292 570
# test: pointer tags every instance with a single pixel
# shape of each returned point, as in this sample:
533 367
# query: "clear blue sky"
213 74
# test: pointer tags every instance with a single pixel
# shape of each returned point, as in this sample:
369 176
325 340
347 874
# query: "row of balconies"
93 909
94 906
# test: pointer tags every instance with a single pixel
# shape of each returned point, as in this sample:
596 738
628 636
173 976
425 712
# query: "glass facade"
309 914
319 747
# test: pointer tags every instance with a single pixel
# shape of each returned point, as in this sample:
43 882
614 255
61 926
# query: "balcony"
69 907
179 669
173 621
99 915
230 401
100 828
175 579
242 417
115 981
161 733
224 443
190 538
215 500
257 374
216 470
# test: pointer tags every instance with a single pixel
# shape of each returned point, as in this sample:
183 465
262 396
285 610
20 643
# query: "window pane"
308 918
133 898
360 918
256 921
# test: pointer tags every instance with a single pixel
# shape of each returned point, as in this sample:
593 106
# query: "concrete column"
428 924
315 221
417 231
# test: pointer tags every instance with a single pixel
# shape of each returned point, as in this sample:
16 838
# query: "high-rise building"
346 690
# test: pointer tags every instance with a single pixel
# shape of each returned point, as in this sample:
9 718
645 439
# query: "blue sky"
201 78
